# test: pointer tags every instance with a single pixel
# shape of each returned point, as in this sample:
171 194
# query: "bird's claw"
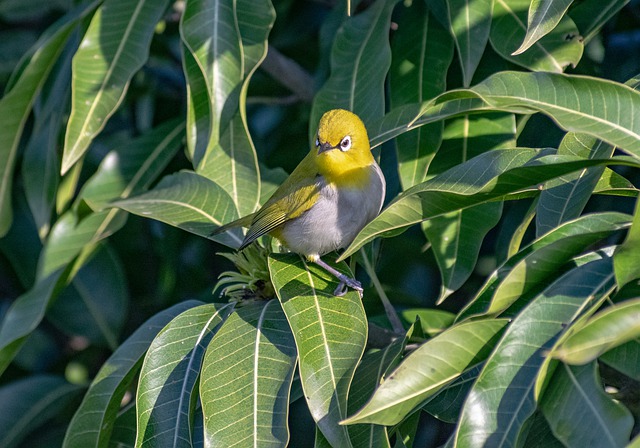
346 282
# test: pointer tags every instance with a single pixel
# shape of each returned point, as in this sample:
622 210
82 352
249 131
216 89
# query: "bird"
329 197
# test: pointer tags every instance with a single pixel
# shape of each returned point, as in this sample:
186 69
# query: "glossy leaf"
93 421
30 402
330 334
625 359
469 24
188 201
113 49
432 321
469 184
541 261
544 16
418 73
16 104
581 413
552 52
246 377
169 374
504 391
610 328
426 370
360 60
626 259
564 198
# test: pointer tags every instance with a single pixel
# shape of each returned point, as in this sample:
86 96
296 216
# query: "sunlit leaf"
246 377
169 376
93 421
504 392
544 16
426 370
330 334
113 49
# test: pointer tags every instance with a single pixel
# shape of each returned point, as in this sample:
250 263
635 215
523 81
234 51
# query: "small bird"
330 196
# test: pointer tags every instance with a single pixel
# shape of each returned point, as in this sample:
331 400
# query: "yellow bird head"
342 146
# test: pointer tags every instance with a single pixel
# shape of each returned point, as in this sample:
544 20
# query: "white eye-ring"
317 142
345 144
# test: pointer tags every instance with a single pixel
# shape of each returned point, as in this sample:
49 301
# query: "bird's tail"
245 221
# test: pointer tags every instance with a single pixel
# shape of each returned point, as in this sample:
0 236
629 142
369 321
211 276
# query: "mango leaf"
447 356
552 52
580 413
360 60
169 374
504 392
456 237
113 49
544 16
541 261
16 104
130 168
219 66
370 372
576 103
626 259
93 421
188 201
591 15
625 358
608 329
485 177
25 314
418 73
564 198
31 402
246 378
538 434
330 334
432 321
469 23
95 304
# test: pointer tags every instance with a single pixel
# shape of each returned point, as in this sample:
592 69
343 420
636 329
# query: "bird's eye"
317 142
345 144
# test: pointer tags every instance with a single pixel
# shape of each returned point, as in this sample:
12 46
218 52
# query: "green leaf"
447 356
580 413
29 403
371 370
360 60
591 15
96 302
469 23
130 168
541 261
564 198
504 392
169 374
544 16
246 377
16 104
552 52
330 334
418 73
188 201
24 315
538 434
625 358
608 329
113 49
626 259
489 176
93 421
432 321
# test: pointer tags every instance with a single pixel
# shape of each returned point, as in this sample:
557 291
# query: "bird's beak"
324 147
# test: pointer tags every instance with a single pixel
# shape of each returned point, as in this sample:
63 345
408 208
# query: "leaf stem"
390 311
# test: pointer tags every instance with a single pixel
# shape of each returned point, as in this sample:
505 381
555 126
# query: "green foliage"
502 299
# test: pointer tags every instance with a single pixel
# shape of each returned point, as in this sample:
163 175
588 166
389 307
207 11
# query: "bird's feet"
347 282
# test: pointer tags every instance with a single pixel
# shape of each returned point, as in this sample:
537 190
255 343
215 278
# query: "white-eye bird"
330 196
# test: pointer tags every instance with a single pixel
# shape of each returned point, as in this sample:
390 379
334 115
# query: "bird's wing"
245 221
